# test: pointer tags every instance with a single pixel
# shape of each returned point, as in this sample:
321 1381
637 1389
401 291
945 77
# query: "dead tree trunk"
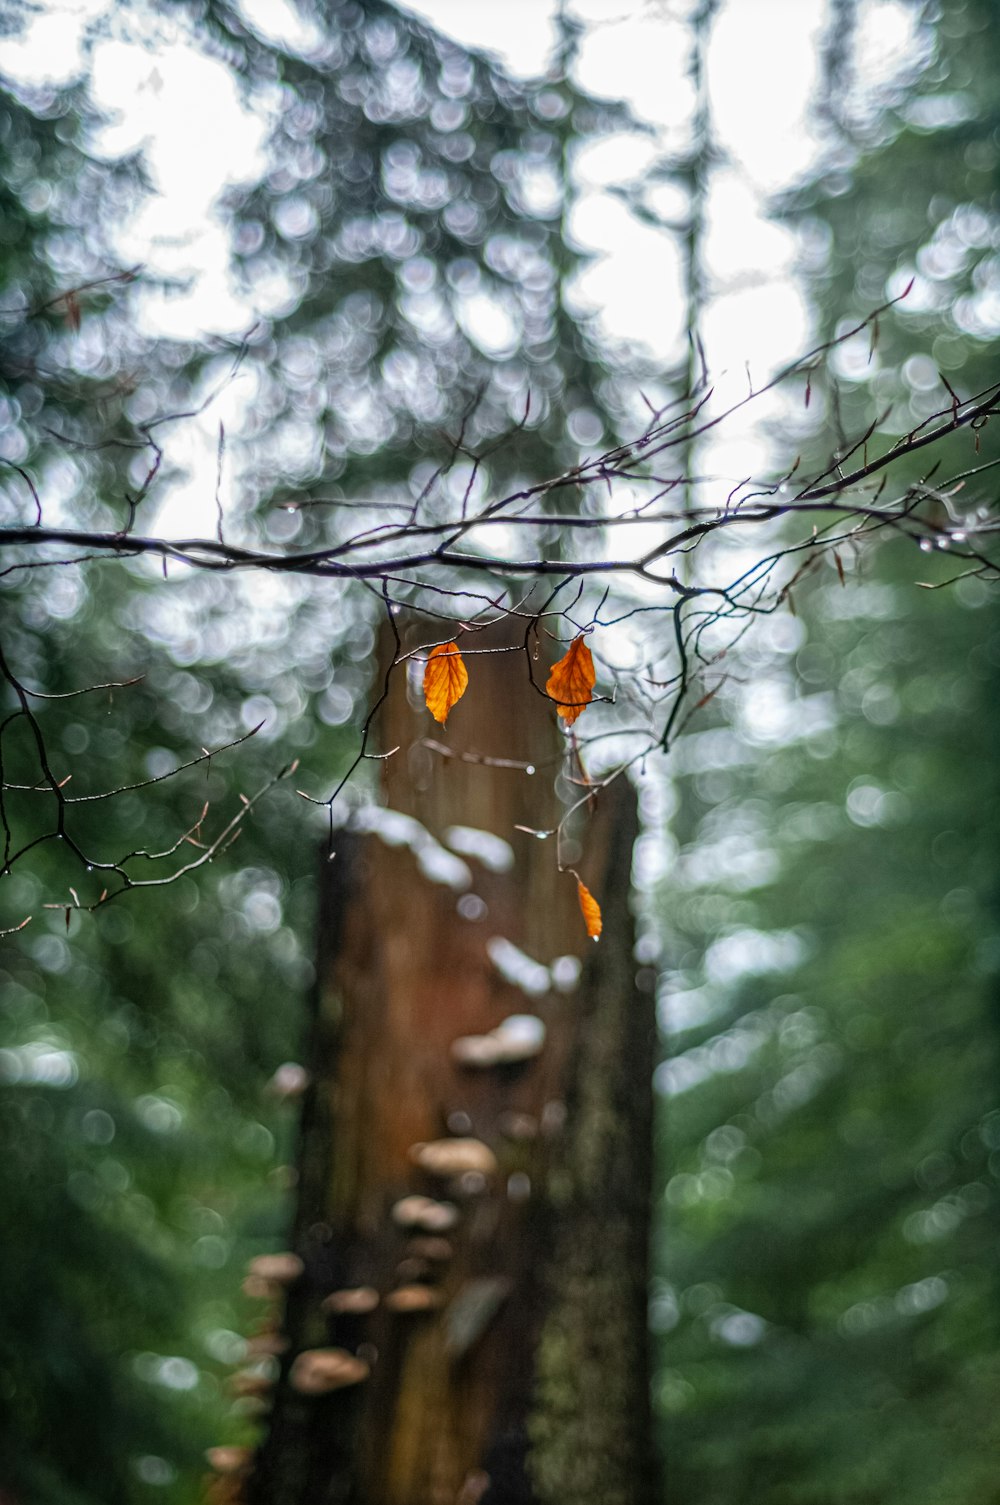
470 1322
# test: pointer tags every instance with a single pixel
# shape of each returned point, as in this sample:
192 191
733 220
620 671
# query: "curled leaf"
445 680
590 909
571 681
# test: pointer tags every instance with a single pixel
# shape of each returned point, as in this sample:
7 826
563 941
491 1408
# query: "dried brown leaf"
590 909
445 680
571 681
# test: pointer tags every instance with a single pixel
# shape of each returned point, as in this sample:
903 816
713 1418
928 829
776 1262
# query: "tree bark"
506 1357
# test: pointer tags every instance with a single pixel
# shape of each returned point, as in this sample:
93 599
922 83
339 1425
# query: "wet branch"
457 564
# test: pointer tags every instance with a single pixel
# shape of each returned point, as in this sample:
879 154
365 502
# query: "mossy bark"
589 1427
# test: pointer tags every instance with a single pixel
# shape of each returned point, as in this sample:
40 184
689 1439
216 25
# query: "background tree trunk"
507 1354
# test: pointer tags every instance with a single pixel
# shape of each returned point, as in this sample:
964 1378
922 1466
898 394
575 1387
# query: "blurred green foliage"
827 1306
142 1158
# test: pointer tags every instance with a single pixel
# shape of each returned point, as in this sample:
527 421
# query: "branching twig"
459 556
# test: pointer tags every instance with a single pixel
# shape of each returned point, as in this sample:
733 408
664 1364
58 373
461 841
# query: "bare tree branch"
460 563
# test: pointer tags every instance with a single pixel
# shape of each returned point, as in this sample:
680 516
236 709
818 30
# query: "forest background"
817 878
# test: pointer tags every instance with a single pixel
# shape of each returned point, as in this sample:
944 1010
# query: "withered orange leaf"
590 909
445 680
571 681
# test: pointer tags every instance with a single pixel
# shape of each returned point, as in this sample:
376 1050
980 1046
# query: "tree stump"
470 1320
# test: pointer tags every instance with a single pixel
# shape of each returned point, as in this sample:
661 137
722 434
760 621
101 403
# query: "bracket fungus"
454 1157
275 1269
413 1298
354 1301
259 1289
317 1371
425 1213
229 1460
519 1038
251 1382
